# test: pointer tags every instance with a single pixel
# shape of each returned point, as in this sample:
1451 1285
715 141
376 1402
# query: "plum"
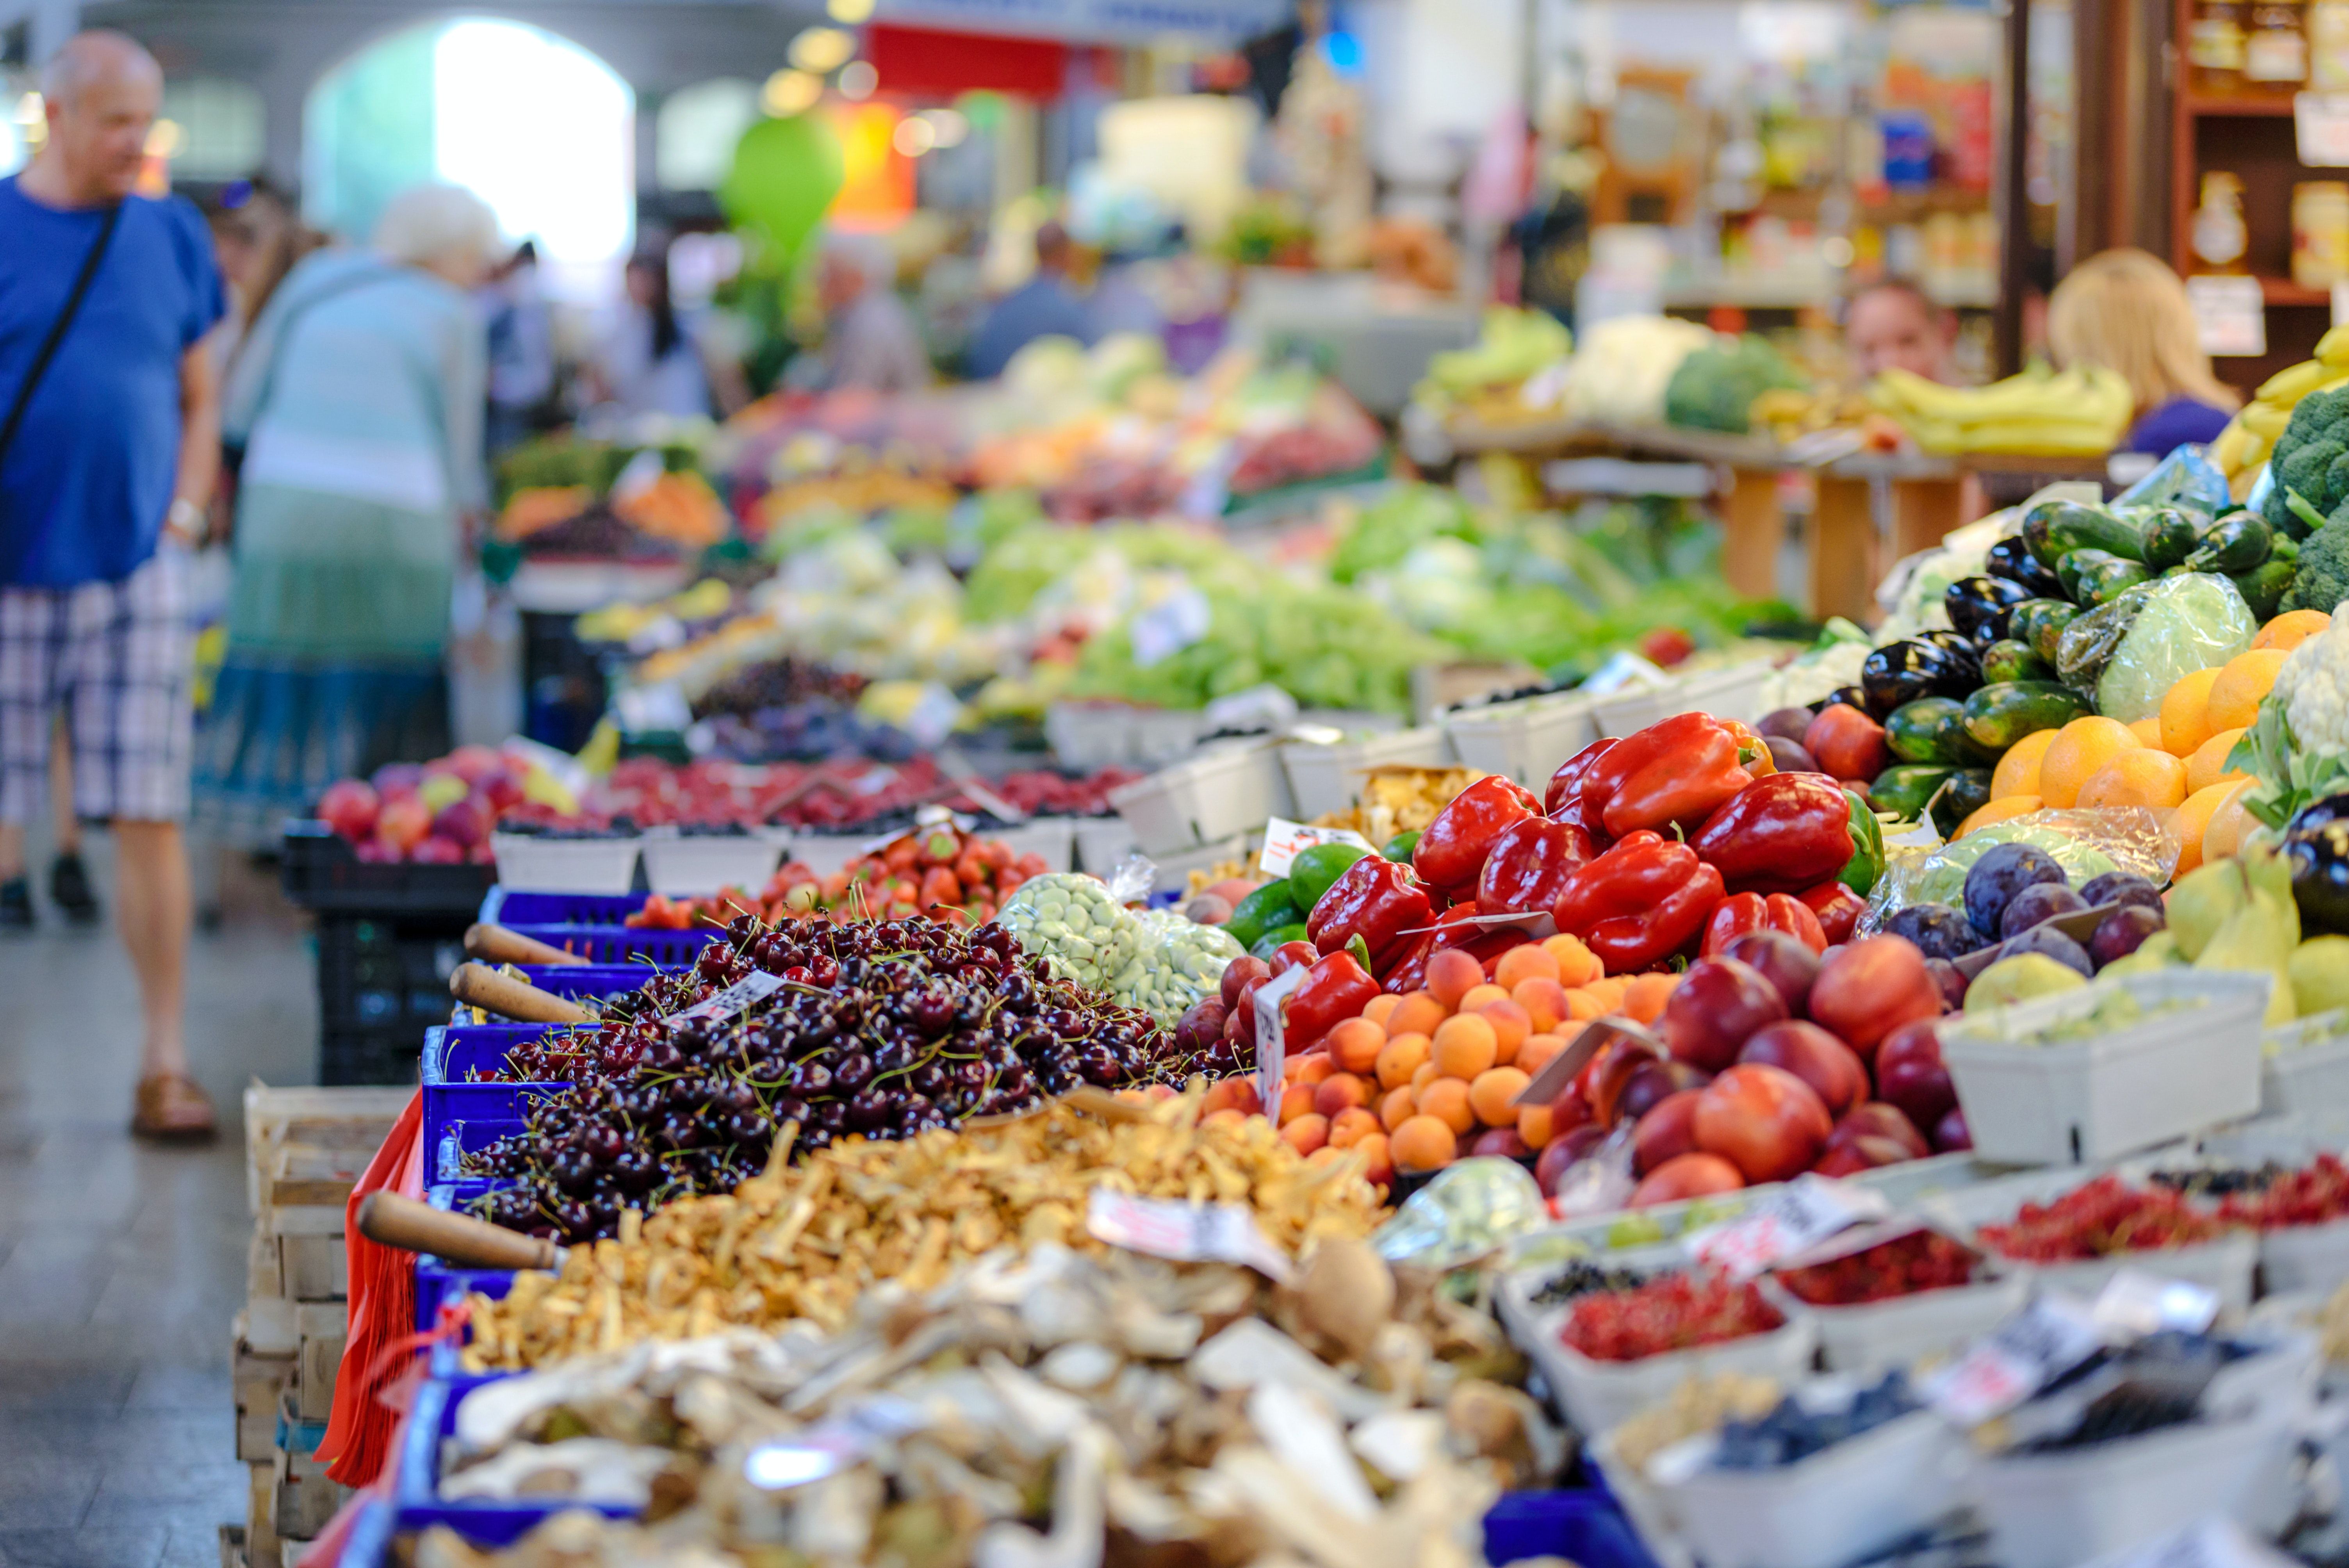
2040 900
2119 934
2003 871
1939 931
1951 980
2046 939
2121 887
1788 755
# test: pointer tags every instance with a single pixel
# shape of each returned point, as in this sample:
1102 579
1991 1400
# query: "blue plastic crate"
368 1544
451 1054
465 1136
625 945
519 906
416 1492
1585 1527
438 1282
589 982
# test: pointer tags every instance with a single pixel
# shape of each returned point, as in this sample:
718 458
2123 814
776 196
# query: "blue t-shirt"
2176 423
1042 307
85 487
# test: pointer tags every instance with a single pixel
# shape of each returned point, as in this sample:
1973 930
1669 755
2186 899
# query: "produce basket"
444 1155
1327 778
1163 735
1089 735
1175 870
1525 740
626 943
2154 1078
432 1419
2304 1257
683 866
1837 1506
451 1095
1871 1337
1230 790
1102 844
1587 1528
2304 1066
320 872
439 1282
506 905
565 865
2222 1265
1053 838
1732 691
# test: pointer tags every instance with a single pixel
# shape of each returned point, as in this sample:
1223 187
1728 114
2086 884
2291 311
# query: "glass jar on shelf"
2214 45
2275 50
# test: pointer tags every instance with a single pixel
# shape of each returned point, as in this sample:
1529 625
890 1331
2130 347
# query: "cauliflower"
2313 689
2299 746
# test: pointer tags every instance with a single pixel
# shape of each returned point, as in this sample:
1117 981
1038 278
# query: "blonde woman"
2125 311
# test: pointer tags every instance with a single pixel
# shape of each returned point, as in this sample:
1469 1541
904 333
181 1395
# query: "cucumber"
2047 629
1999 716
2264 585
2010 659
2054 529
2023 621
1966 791
2166 535
1904 789
2236 542
2098 576
1934 729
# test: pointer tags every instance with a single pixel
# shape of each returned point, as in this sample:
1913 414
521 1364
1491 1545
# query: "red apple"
376 853
348 807
1717 1005
1909 1073
436 850
465 822
1790 966
1876 1120
1647 1088
502 789
1689 1176
1951 1133
1763 1119
472 763
1503 1142
403 823
1870 988
1814 1055
1666 1132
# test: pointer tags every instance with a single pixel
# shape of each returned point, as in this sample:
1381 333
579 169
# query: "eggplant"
1959 646
1899 673
1979 606
1842 697
2012 559
2316 847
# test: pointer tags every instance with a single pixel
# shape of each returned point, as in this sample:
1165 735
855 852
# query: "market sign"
1100 21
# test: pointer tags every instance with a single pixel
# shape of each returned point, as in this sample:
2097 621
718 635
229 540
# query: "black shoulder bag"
57 329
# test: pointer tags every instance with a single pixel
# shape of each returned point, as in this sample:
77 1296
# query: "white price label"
2230 315
834 1445
2320 124
1170 625
1186 1232
2031 1349
1798 1217
1271 1035
1284 841
755 986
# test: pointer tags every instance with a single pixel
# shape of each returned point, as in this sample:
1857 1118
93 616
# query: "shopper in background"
649 361
870 340
2125 311
1043 306
521 351
256 238
1896 325
108 450
359 405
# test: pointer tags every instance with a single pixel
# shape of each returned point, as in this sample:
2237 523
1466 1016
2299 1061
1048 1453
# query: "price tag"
1536 925
1284 841
2231 314
2134 1304
2320 125
1169 626
2340 302
1186 1232
2048 1338
1560 1069
1271 1038
754 986
1798 1217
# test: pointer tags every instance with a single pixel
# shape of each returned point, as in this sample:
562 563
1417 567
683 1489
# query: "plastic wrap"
2185 478
2130 652
2086 843
1176 962
1072 920
1467 1211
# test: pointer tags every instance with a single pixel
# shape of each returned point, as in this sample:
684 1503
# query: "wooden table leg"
1843 540
1751 532
1923 512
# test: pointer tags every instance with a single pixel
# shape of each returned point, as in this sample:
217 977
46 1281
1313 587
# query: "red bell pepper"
1484 943
1563 801
1837 907
1336 988
1640 902
1676 772
1452 848
1742 911
1779 834
1529 864
1408 972
1375 899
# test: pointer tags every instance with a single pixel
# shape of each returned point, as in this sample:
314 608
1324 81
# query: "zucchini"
2047 631
2098 576
2054 529
1964 792
1903 788
1934 729
1999 716
2236 543
2023 621
2167 536
2012 659
2264 585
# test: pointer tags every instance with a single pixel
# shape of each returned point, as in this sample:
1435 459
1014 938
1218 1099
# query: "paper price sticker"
1185 1233
2029 1350
1271 1035
1284 841
2319 127
1796 1217
752 988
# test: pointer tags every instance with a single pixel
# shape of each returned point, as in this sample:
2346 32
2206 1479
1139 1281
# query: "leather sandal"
170 1106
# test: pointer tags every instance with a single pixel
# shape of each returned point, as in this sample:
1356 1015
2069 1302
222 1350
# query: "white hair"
427 223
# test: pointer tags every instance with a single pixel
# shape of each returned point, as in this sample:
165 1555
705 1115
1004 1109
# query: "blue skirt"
276 736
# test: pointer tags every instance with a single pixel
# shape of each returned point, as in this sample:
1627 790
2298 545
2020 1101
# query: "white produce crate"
2304 1257
824 853
1525 740
1102 843
684 865
2093 1098
1326 778
1837 1506
2305 1066
1226 789
564 865
1732 691
1090 735
1161 735
1872 1337
2223 1267
1175 869
1053 838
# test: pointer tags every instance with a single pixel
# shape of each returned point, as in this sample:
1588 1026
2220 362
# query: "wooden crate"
304 1499
261 1515
313 1268
259 1383
232 1547
322 1327
336 1130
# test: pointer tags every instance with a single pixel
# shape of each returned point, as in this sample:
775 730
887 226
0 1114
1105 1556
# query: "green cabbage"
2168 630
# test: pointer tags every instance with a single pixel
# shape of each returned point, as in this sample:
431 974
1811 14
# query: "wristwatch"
185 520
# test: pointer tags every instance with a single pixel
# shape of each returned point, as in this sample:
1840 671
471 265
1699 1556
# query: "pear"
2319 968
2257 940
2267 870
2202 900
2019 978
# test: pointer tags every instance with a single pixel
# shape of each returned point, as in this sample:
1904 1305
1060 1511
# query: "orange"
2148 730
1535 1053
1577 965
1423 1143
1378 1165
1306 1133
1645 995
1466 1046
1530 962
1478 995
1354 1043
2224 835
1382 1008
2186 713
1543 1000
1446 1099
1490 1096
1417 1013
1511 1025
1296 1100
1399 1105
1343 1092
2207 765
1451 975
2141 778
2291 628
2235 695
1998 810
2193 819
1349 1127
2017 772
2078 753
1400 1057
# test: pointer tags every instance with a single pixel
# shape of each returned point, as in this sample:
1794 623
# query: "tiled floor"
121 1264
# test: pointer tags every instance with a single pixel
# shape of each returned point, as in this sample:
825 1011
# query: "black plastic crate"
353 1054
321 873
384 980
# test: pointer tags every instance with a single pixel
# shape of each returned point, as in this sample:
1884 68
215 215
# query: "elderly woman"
359 403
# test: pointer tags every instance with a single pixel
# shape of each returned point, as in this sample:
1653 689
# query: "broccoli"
2322 581
2311 460
1715 386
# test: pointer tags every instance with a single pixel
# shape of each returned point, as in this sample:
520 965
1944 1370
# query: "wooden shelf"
2205 105
2283 290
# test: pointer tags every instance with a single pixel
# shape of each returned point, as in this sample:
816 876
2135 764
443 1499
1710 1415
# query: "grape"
2003 871
2040 900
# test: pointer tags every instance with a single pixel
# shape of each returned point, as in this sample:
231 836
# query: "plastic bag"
2185 478
2086 843
1176 962
1467 1211
1071 919
2129 653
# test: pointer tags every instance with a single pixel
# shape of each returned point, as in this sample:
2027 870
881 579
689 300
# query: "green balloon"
785 175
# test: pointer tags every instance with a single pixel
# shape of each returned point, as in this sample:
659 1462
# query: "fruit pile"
1676 1312
1580 1278
439 812
2010 891
1793 1431
937 873
2104 1217
2316 1194
1920 1260
880 1029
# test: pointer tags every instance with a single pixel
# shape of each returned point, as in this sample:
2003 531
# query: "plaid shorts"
117 659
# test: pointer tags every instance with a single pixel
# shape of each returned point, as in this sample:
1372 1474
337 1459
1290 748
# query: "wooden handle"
496 944
478 985
391 1220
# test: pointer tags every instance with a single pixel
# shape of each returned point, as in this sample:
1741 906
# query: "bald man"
109 443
